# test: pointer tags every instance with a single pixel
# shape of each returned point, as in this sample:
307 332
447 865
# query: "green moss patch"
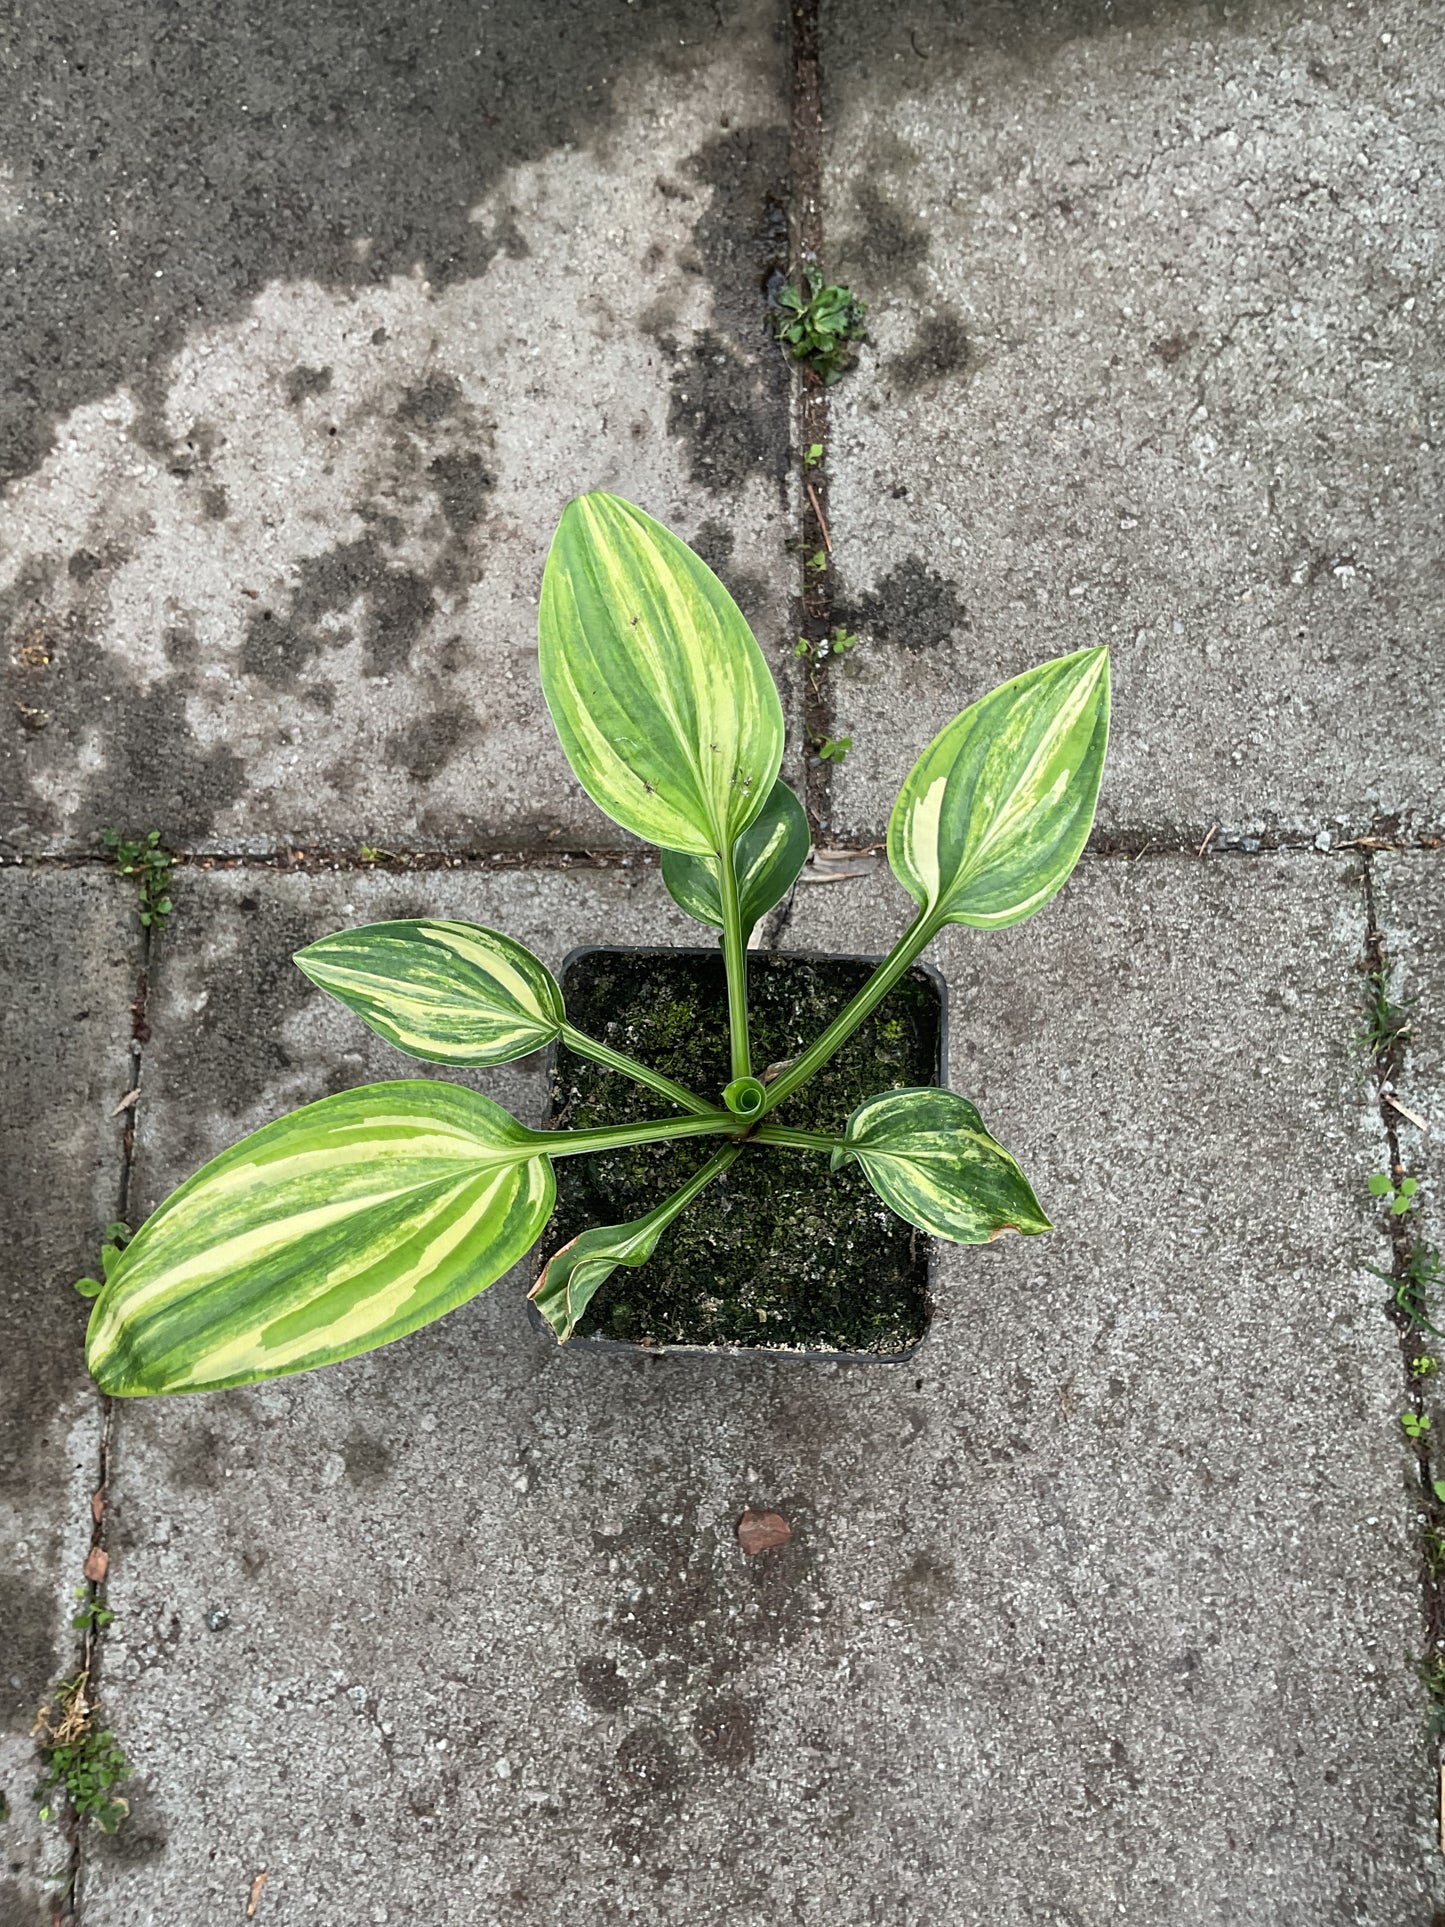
779 1252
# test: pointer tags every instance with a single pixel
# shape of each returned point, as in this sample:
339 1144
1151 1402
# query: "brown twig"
818 511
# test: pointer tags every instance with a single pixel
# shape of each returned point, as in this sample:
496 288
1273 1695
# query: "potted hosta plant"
362 1217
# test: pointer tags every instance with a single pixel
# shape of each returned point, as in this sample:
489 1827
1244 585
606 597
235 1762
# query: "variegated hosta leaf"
660 695
767 858
574 1273
926 1153
456 993
996 811
349 1223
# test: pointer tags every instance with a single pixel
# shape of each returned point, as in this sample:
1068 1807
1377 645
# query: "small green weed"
1414 1426
838 644
820 324
812 455
1387 1024
833 749
84 1759
1402 1195
113 1241
817 562
94 1615
370 854
1424 1366
151 867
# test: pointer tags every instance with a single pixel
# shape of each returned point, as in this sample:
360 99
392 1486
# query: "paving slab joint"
814 600
1389 1048
97 1562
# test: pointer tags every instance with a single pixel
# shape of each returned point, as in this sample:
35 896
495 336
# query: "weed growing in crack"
80 1756
839 643
151 867
833 749
1387 1024
820 324
113 1241
1415 1426
1402 1196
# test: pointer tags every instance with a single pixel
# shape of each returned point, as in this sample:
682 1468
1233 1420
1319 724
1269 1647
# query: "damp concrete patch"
282 592
1100 1608
1155 363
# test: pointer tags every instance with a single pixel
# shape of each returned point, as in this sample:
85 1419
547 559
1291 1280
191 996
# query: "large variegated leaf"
996 811
926 1153
660 695
767 858
456 993
347 1224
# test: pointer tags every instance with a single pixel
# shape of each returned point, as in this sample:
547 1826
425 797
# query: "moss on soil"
779 1252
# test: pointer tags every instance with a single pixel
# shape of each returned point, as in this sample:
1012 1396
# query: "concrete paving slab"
1099 1609
72 958
1155 364
292 427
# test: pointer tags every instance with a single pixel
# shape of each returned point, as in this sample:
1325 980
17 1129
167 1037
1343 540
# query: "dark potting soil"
779 1252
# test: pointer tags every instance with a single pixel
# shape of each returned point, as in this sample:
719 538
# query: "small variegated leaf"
454 993
659 692
926 1153
574 1273
996 811
349 1223
767 858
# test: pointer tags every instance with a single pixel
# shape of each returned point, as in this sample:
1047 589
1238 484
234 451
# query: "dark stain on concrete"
253 144
367 1460
425 747
939 350
17 1909
714 542
925 1587
279 647
889 244
725 1730
643 1789
215 503
729 385
430 402
26 1614
462 483
912 607
303 383
603 1687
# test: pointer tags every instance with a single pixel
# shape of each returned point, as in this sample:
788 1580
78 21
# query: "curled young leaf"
455 993
767 857
660 694
927 1155
337 1229
996 811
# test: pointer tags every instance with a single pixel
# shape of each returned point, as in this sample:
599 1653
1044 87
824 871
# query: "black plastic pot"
921 1260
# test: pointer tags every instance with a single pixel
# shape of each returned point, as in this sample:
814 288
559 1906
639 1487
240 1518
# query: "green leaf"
660 695
926 1153
337 1229
996 811
575 1273
1379 1185
89 1287
769 854
455 993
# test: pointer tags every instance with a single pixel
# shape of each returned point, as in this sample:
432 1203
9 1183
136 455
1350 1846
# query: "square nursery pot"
778 1254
